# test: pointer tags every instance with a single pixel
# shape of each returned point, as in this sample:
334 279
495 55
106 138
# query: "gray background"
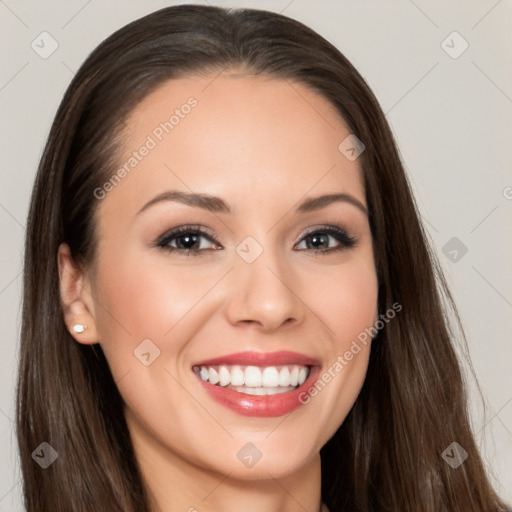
451 117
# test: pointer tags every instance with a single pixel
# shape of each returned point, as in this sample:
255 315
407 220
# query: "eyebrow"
217 205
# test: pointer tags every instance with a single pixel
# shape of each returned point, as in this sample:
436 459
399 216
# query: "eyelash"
340 234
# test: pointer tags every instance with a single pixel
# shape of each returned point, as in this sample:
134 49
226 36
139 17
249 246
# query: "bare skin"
263 146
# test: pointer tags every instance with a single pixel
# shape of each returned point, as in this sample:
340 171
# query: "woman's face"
268 293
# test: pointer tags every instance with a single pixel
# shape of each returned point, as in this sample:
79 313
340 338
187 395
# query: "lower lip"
261 405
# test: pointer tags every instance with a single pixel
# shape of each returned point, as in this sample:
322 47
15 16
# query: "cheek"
348 307
347 301
147 300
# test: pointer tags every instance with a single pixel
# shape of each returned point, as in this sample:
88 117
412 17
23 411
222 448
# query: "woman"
187 341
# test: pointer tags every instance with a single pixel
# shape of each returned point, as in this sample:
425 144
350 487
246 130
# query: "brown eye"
189 240
319 239
186 239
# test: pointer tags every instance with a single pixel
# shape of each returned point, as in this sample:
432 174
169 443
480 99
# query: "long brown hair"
387 453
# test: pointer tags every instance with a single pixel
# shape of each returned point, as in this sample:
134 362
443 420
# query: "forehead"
248 139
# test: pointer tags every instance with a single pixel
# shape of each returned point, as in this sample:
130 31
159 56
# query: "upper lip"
255 358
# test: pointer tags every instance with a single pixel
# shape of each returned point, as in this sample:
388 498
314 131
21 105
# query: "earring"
79 328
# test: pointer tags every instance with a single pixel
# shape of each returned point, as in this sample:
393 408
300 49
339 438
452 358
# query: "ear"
76 299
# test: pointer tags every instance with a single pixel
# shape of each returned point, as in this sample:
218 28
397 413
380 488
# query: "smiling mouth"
255 380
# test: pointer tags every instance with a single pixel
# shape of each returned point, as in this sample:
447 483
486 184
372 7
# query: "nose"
264 293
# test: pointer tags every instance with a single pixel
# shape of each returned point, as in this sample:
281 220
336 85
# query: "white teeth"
253 377
224 376
213 376
303 374
237 376
204 373
294 376
270 377
261 380
284 376
264 391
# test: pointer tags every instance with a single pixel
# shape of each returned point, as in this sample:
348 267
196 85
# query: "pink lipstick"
256 383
